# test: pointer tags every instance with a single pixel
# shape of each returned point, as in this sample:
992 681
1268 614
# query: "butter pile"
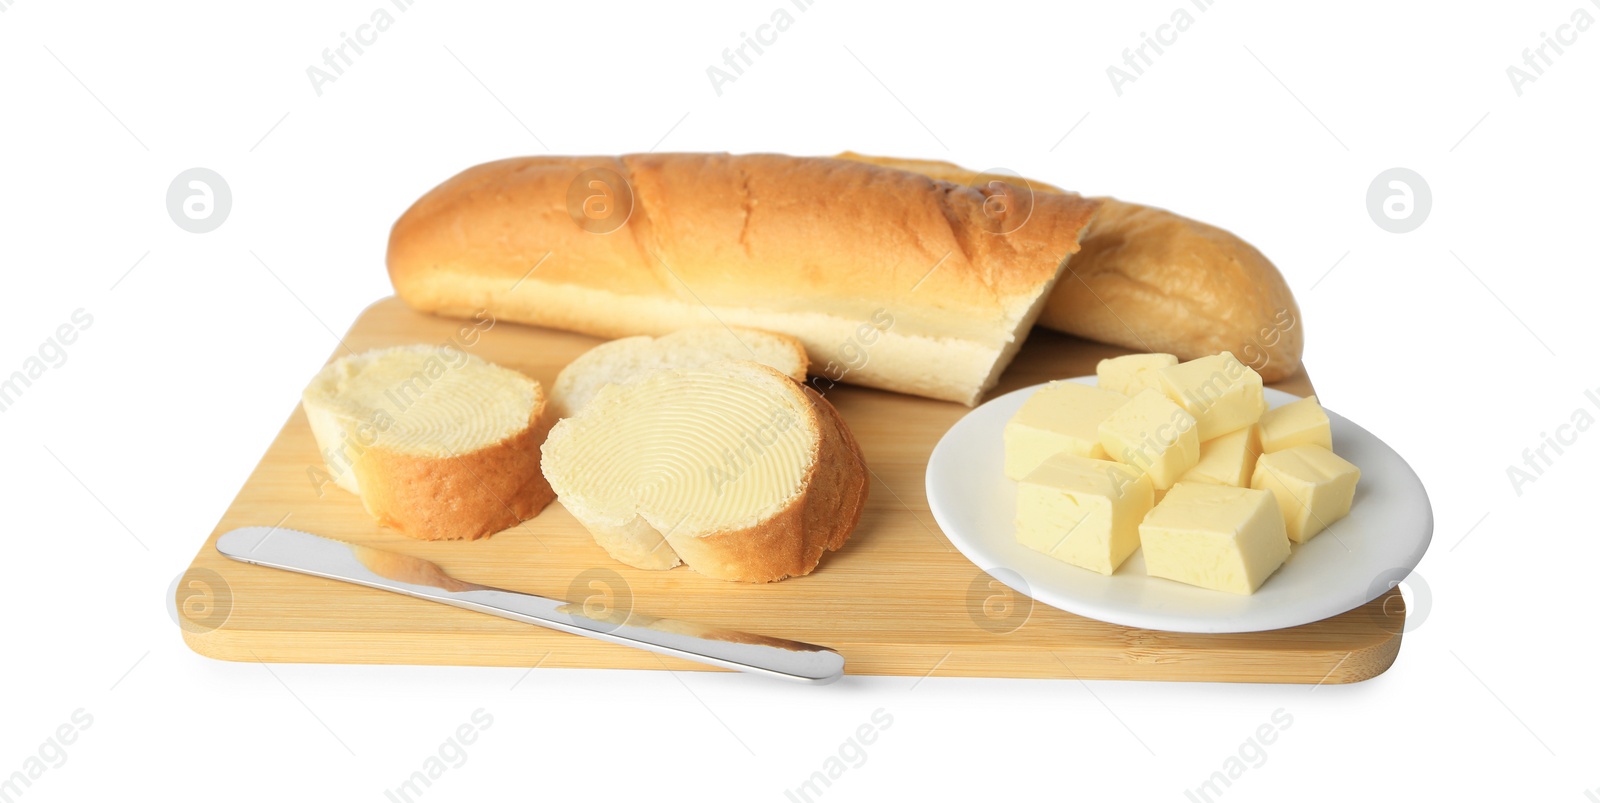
1181 459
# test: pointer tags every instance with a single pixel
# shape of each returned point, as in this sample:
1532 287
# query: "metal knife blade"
302 552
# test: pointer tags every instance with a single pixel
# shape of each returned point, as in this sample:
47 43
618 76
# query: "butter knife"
315 555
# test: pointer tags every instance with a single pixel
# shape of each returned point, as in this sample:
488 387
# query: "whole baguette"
1152 280
889 278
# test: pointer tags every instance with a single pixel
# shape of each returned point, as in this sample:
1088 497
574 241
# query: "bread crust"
1152 280
812 247
1198 290
461 497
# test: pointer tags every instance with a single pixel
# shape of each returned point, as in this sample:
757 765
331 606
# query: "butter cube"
1221 393
1314 487
1082 511
1300 423
1152 434
1215 536
1059 417
1227 459
1134 372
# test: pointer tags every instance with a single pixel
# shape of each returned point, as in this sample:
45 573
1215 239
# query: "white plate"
1353 561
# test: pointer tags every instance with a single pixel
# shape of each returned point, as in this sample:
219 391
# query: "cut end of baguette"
732 467
439 444
622 361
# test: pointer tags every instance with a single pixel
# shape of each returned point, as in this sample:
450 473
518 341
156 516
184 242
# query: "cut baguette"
732 468
439 444
1152 280
622 361
890 279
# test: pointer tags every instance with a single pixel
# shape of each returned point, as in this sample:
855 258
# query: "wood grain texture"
898 599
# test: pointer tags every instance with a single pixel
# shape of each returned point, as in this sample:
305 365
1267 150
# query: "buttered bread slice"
438 444
619 362
732 468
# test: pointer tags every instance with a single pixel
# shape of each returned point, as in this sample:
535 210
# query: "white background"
1270 119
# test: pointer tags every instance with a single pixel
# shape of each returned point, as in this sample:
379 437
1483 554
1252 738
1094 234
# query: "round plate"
1353 561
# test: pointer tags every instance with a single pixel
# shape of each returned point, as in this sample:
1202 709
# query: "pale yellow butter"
1215 536
1059 417
1132 373
1082 511
1299 423
1227 459
1314 487
1152 434
1221 393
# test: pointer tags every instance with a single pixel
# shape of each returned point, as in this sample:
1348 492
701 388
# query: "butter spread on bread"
619 362
732 468
951 277
438 444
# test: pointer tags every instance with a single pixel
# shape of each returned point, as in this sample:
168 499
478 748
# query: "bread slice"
622 361
891 279
439 444
732 468
1152 280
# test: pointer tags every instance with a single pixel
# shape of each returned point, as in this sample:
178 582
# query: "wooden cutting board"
897 600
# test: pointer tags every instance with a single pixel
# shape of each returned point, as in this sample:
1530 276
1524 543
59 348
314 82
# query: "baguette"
1155 281
890 279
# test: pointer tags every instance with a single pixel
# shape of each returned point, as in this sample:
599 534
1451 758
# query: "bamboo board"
898 599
